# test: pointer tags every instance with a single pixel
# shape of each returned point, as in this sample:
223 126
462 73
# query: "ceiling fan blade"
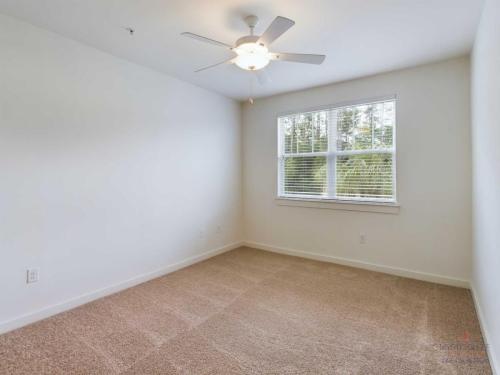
299 57
230 61
206 40
275 30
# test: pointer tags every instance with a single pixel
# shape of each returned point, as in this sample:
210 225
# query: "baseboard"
495 365
364 265
88 297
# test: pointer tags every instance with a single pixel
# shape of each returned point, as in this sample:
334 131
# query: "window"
343 153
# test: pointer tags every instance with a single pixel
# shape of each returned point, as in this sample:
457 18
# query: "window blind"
343 153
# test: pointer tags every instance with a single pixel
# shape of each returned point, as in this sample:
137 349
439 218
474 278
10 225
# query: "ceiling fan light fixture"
252 56
252 50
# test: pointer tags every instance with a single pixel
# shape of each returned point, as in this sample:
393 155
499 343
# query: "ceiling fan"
252 51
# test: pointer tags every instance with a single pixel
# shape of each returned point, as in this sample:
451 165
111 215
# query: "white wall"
486 167
432 233
108 170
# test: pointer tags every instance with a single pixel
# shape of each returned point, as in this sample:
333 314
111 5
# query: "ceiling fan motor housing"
247 39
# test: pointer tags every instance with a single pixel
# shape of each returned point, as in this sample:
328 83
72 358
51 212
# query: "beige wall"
110 172
432 232
486 167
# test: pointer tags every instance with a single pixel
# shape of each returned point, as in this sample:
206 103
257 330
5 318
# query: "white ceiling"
359 37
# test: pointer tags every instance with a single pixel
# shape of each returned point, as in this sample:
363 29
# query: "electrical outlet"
218 230
32 275
362 238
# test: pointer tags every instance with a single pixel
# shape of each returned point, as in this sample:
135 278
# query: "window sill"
378 207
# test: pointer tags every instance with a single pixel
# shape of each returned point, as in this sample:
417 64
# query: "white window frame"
344 203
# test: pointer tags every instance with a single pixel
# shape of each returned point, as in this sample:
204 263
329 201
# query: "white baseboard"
88 297
495 365
364 265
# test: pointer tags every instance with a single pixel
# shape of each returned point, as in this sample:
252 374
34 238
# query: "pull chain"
250 99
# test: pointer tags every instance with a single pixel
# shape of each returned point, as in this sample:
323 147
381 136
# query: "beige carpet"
254 312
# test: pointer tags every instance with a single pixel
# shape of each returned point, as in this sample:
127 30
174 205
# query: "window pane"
365 127
287 132
305 132
320 131
364 176
305 175
354 128
345 129
383 125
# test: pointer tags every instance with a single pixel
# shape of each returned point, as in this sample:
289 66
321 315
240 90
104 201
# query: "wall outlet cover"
32 275
362 238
